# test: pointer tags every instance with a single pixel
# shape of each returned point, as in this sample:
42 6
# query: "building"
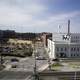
19 42
44 38
64 45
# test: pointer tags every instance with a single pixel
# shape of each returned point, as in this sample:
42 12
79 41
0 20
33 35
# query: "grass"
57 65
74 65
19 53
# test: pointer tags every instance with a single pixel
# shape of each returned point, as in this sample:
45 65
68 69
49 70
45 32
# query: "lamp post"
35 73
1 58
49 63
75 75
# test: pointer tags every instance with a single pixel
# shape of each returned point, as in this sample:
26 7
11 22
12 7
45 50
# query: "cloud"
52 22
29 15
16 15
57 18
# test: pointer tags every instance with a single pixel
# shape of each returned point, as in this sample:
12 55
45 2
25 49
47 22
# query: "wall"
51 49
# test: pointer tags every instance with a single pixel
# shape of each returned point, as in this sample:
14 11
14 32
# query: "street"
24 69
28 64
14 75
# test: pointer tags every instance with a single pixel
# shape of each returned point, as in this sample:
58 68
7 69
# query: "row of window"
61 49
75 40
65 49
64 55
75 49
76 37
74 55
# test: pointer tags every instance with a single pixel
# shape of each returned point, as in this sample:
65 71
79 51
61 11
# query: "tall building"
64 45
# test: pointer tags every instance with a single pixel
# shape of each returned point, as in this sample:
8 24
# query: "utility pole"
49 63
1 58
75 76
35 74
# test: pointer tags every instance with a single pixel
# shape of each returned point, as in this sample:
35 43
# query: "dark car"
55 59
14 60
14 66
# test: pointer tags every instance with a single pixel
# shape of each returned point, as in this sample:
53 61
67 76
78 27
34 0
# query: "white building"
64 45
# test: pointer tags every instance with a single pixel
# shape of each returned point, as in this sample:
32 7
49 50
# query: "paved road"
24 69
15 75
28 64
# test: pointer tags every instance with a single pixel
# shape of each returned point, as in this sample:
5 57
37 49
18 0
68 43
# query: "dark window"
71 54
77 54
65 49
71 49
78 49
57 49
74 49
61 49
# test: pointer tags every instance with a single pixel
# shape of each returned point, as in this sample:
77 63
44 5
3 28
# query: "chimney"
68 27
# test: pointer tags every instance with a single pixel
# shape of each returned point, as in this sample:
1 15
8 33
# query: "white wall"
51 49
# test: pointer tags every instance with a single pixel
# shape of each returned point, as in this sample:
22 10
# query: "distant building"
17 41
44 38
5 35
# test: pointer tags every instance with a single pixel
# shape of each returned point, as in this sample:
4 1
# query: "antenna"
68 27
59 27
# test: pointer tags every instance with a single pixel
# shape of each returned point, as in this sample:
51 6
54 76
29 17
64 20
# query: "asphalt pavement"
24 69
14 75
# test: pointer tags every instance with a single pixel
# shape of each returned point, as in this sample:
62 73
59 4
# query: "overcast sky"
39 15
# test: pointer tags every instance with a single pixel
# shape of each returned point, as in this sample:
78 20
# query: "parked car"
14 66
40 58
14 60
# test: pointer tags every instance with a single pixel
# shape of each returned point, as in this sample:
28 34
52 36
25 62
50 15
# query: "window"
71 54
78 49
65 49
65 37
57 49
61 49
74 49
77 54
76 37
71 49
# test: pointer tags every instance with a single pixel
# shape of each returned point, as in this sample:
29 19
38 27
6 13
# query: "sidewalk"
7 67
43 68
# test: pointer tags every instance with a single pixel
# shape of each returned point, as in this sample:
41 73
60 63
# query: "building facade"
64 45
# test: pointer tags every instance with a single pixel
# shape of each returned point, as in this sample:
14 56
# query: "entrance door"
62 55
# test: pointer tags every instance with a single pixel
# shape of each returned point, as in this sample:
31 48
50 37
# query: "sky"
40 15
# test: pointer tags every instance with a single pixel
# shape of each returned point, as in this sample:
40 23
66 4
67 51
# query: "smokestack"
68 27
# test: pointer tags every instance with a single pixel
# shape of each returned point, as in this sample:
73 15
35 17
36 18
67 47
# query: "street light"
35 73
75 76
1 51
49 63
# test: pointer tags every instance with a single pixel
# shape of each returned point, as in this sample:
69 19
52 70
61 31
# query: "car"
55 59
14 60
14 66
40 58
